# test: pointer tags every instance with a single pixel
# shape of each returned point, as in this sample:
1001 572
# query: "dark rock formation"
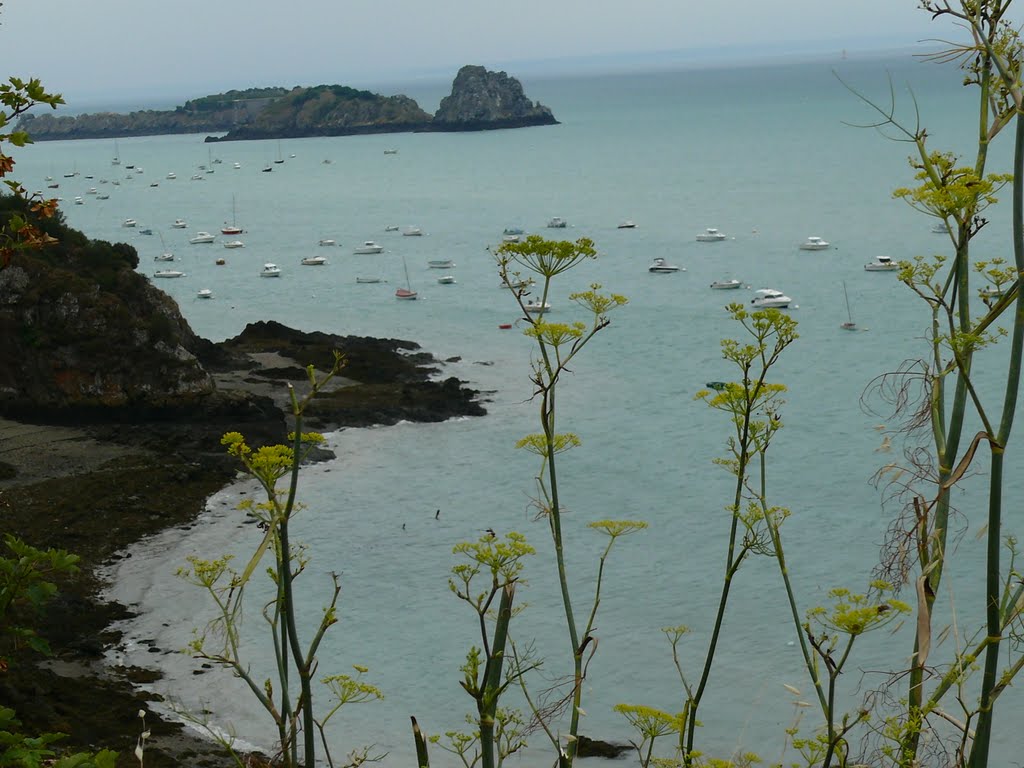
331 110
481 100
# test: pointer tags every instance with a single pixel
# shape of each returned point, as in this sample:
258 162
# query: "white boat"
128 223
164 257
102 197
441 264
91 191
368 280
79 201
537 307
725 285
234 244
766 298
710 235
412 232
368 246
446 279
172 175
557 222
882 264
204 293
814 243
991 292
270 270
660 265
512 235
232 228
627 224
168 273
179 224
236 165
391 228
327 241
314 261
202 237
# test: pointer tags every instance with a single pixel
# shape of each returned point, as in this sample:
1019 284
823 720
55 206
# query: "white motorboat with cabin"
129 223
814 243
270 270
168 256
314 261
412 231
204 293
234 244
168 273
710 235
882 264
202 237
769 298
327 241
368 246
179 224
660 265
725 285
537 307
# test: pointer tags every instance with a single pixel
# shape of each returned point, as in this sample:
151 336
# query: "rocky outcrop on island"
479 100
483 100
210 114
331 110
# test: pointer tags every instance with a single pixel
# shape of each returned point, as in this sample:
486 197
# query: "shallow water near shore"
763 155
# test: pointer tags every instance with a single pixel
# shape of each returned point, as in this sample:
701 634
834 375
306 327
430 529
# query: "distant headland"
480 100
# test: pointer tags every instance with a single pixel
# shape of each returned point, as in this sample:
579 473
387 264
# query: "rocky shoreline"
94 481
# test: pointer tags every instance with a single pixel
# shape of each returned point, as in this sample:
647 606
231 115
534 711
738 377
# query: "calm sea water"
769 156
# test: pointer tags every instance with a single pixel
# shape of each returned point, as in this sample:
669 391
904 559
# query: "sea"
769 154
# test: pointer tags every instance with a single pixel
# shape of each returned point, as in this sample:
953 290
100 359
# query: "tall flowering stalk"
524 266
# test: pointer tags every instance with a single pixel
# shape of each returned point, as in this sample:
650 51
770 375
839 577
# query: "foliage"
292 712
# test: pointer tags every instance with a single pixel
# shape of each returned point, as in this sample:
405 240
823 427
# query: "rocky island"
111 413
479 100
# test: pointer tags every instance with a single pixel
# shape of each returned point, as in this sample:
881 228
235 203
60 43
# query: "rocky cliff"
479 100
482 100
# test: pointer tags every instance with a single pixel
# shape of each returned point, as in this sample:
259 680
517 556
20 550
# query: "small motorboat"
327 241
390 151
202 237
660 265
446 279
725 285
368 280
512 235
391 228
236 165
168 273
814 243
537 307
79 200
314 261
179 224
627 224
557 222
129 223
164 257
769 298
172 175
441 264
881 264
204 293
146 231
368 246
710 235
234 244
270 270
412 231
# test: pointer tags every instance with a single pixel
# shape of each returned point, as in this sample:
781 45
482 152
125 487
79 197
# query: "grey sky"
121 49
